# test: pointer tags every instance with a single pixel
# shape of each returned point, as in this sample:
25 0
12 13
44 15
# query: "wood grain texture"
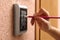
52 7
37 8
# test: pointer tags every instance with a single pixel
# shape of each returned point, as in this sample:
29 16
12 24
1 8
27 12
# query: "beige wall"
59 13
6 19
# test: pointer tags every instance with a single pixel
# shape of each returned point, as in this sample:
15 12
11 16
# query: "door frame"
37 29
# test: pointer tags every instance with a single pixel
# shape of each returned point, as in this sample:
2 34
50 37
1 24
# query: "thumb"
32 21
40 19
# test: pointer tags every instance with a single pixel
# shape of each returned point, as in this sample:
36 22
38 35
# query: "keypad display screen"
23 19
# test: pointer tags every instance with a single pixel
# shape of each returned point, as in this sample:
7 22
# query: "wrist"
50 27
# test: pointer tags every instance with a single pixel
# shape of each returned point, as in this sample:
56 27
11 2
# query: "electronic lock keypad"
20 21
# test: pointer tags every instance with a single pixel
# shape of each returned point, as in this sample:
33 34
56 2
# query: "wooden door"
52 7
37 31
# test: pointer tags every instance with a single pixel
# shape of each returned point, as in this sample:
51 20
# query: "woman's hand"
43 23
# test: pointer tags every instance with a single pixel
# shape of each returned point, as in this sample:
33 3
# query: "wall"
6 20
59 13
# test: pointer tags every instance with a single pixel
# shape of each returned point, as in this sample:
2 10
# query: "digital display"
23 19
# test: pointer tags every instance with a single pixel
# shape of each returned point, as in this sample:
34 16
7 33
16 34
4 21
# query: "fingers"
45 11
42 23
42 12
39 19
32 21
43 20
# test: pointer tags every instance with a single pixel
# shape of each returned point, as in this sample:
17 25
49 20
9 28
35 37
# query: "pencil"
49 17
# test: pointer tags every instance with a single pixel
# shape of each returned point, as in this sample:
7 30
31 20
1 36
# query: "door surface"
37 8
52 7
